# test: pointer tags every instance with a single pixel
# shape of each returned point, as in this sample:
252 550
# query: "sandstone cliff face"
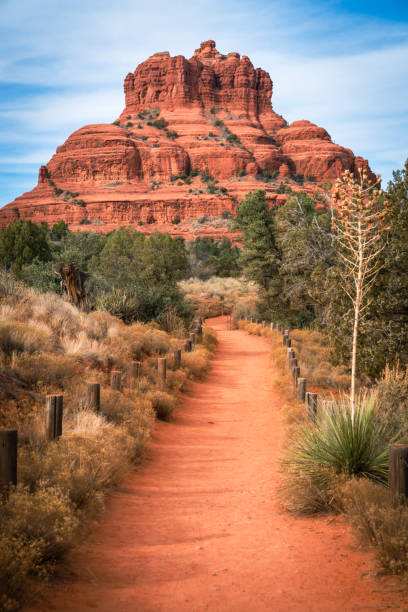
194 137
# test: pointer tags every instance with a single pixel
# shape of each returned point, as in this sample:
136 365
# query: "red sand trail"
199 526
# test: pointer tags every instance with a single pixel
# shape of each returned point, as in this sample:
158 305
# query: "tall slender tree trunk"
357 305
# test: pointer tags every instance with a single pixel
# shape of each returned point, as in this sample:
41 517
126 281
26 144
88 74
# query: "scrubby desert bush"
392 402
196 363
209 338
36 529
89 459
19 337
163 404
46 369
20 564
134 412
212 297
380 519
313 354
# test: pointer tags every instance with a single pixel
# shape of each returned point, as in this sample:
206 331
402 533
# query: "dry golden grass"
313 355
381 520
215 296
48 346
196 363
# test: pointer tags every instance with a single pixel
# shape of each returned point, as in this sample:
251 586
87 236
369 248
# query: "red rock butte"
194 137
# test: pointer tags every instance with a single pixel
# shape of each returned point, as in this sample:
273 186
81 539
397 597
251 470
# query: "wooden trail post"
136 369
192 338
93 393
311 402
188 346
54 404
288 342
263 324
278 327
162 369
116 380
108 364
293 363
177 359
8 457
301 389
398 469
296 375
271 325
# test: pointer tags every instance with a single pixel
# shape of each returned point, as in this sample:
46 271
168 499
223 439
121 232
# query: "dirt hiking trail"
199 525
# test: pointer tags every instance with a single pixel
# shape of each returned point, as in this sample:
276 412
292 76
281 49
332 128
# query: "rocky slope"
194 137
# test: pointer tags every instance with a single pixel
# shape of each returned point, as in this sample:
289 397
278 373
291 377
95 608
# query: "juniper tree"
260 257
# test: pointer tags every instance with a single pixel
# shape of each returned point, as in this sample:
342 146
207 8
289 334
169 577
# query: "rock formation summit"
194 137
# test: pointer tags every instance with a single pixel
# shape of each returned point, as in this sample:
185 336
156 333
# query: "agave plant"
341 441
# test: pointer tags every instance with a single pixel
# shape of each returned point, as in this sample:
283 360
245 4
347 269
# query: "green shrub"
339 443
233 138
160 124
119 304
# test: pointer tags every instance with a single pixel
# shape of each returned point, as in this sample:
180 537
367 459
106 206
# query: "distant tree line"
131 275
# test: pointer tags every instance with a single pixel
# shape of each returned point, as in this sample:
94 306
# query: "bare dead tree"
358 221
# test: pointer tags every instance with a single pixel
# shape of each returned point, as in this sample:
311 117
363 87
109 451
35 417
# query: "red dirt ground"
199 526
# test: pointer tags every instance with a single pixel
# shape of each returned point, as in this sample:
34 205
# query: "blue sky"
342 64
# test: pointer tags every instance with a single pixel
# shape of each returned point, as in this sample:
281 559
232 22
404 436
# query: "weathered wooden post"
398 469
54 404
108 364
8 457
296 375
116 380
177 359
93 393
162 369
301 389
288 342
311 401
263 324
192 338
136 369
271 325
278 327
188 346
290 355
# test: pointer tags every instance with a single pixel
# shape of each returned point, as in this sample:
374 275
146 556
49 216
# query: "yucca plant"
341 441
